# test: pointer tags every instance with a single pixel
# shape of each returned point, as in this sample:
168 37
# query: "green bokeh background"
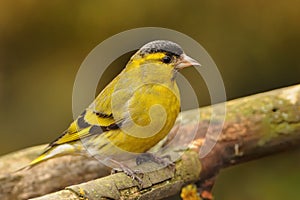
255 44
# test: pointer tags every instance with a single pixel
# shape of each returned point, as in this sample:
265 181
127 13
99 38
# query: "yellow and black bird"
134 111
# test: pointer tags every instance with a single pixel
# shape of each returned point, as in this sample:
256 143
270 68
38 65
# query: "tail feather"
59 150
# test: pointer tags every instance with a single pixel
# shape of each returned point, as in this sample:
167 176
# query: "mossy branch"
255 126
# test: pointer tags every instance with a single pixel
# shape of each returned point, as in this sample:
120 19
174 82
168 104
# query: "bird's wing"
98 117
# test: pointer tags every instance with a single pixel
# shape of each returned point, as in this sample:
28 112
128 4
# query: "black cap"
162 46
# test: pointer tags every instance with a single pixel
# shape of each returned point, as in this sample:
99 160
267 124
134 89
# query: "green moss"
282 119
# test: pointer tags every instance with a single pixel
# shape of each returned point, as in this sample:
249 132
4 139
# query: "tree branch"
255 126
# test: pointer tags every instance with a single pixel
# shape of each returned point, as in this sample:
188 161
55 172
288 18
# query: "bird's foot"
146 157
133 173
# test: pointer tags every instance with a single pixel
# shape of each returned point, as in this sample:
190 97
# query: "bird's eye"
167 59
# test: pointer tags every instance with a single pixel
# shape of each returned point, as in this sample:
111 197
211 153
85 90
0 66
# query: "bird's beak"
185 61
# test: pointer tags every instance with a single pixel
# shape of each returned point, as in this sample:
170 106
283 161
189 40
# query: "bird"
135 111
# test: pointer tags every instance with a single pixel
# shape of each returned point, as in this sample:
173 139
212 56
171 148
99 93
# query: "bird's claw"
133 173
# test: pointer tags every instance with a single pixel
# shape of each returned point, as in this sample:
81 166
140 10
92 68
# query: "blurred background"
255 44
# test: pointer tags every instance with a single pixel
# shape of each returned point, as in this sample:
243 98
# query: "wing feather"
98 114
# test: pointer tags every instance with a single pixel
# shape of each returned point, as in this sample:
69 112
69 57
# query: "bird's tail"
59 150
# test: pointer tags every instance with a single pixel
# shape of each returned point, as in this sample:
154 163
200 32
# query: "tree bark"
255 126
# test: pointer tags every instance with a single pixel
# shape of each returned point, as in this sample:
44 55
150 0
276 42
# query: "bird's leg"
146 157
133 173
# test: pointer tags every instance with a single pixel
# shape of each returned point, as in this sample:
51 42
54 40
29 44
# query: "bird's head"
165 53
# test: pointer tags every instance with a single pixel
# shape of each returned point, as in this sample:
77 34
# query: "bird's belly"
119 142
152 112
